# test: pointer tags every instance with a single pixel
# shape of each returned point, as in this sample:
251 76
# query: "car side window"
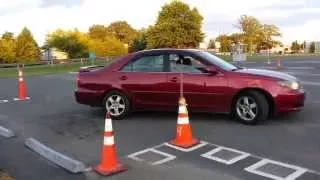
186 64
146 64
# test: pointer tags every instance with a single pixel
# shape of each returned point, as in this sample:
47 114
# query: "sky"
297 19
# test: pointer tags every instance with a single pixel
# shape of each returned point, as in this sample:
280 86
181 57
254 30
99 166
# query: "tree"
225 42
295 46
7 48
123 31
26 47
212 44
98 32
266 36
250 27
73 42
177 26
236 37
140 43
312 47
109 46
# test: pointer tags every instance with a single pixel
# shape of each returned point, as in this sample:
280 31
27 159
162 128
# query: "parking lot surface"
284 147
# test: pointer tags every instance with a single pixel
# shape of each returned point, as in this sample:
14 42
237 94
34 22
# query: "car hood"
268 73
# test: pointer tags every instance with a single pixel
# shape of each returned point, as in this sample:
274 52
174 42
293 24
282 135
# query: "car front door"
144 79
203 91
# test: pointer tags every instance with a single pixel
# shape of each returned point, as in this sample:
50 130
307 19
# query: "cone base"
110 171
189 144
21 99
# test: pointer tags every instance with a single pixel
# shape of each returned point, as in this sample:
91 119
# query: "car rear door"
145 80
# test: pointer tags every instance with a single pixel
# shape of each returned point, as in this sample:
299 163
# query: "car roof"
168 50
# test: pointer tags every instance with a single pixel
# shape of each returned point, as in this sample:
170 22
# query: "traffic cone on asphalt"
183 132
21 87
109 164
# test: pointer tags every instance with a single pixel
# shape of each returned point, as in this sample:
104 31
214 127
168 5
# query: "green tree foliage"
251 28
256 34
26 47
109 46
98 32
266 36
140 43
123 31
236 37
73 42
177 26
7 48
212 44
295 46
225 42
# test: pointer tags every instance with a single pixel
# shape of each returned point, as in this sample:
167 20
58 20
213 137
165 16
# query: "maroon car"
150 80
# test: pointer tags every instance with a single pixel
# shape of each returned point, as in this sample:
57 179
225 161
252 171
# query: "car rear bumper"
290 101
88 97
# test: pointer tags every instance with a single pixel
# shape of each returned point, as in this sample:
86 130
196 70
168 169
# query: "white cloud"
219 15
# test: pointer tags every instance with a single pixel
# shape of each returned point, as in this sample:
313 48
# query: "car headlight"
294 85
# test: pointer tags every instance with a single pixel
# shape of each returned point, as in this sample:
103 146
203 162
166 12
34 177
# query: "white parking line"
297 173
310 83
210 155
201 144
3 101
300 68
169 157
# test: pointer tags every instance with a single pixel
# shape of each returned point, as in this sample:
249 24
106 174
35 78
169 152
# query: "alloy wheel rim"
115 105
247 108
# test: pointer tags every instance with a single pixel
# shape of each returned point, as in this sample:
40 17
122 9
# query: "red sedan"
150 80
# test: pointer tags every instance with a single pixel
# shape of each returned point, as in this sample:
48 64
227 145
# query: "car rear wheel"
117 104
251 107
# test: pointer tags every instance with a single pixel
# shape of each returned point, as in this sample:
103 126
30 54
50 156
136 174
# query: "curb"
6 132
62 160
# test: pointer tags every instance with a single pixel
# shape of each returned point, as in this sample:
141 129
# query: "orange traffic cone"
109 164
21 88
183 133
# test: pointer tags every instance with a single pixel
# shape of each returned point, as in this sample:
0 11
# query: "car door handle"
174 79
123 78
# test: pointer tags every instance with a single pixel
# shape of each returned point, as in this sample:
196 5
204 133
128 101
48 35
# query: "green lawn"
44 69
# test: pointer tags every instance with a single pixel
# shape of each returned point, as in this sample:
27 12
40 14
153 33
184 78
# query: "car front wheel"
251 107
117 104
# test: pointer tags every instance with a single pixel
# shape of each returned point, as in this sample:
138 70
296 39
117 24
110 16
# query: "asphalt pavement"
229 150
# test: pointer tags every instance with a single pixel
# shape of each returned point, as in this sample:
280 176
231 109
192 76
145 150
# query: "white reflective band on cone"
20 79
108 141
20 73
183 109
183 120
108 125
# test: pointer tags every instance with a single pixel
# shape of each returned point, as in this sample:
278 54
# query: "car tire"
253 110
123 101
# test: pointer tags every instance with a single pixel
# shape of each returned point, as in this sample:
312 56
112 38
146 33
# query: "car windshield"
217 61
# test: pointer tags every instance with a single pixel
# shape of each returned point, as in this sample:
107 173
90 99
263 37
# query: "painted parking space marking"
225 155
201 144
276 170
167 157
3 101
300 68
310 83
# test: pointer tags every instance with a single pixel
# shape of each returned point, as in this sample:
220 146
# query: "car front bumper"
289 101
